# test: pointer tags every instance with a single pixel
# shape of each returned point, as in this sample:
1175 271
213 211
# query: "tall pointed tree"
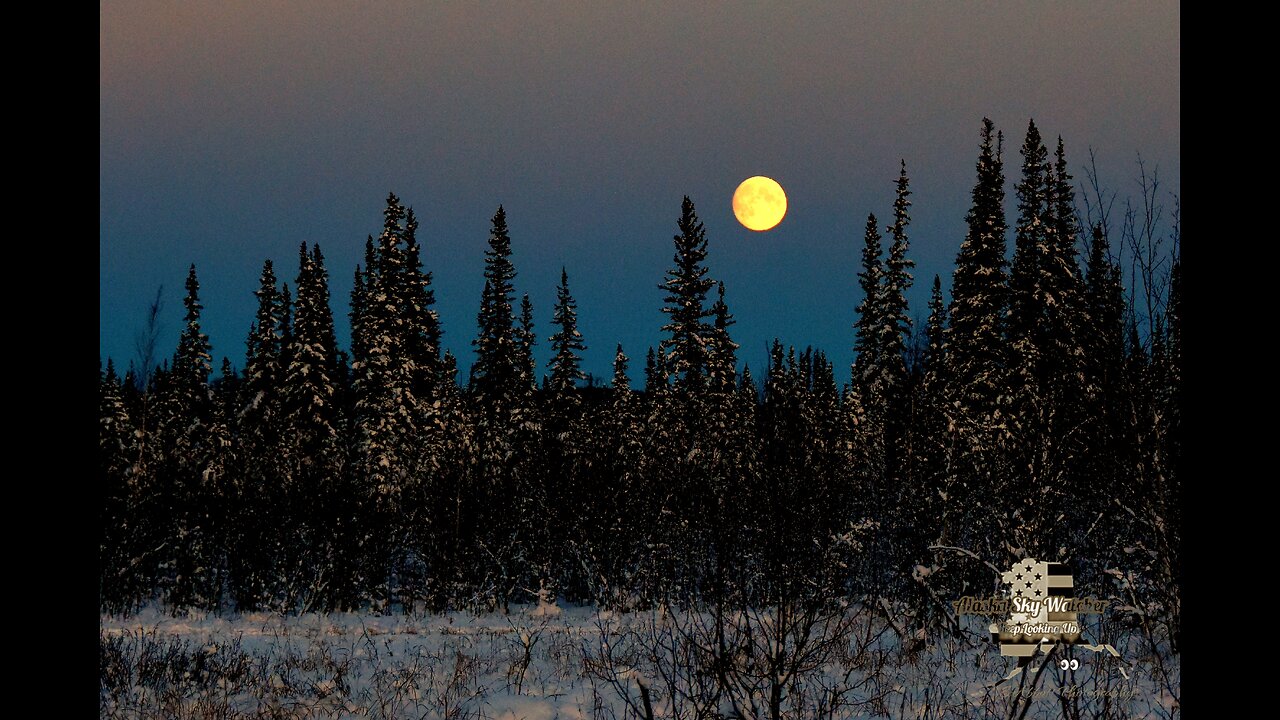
566 342
935 330
897 281
192 362
525 340
422 323
684 351
975 373
869 326
496 371
722 361
977 356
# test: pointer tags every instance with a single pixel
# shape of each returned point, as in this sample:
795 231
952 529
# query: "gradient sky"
233 131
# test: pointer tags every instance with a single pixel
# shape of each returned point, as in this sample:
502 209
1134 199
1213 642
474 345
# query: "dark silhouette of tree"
684 351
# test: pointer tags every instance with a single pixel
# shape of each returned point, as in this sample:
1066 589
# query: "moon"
759 203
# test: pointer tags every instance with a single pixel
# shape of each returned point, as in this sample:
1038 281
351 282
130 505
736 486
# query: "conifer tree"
312 451
897 281
116 450
191 449
502 382
260 474
869 328
684 351
388 449
655 376
496 371
935 331
309 381
262 370
722 361
192 363
1046 326
976 353
422 323
566 342
975 375
525 340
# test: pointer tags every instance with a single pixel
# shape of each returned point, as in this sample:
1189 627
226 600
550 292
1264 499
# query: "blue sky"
231 132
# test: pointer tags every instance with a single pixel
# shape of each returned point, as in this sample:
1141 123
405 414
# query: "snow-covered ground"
549 661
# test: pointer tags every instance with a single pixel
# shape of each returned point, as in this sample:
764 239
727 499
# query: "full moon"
759 203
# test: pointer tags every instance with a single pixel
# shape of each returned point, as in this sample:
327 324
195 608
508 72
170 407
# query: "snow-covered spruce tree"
867 403
317 500
387 450
422 323
868 328
526 340
116 455
359 313
901 486
686 438
502 387
260 474
570 481
616 559
566 343
723 433
684 352
802 498
897 281
928 426
1045 327
453 502
194 576
976 365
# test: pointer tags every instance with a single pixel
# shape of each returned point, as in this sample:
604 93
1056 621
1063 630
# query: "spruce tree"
566 342
1045 330
974 377
496 372
309 381
116 450
722 361
191 450
935 330
388 450
897 281
684 351
871 321
313 448
192 363
976 355
262 371
525 340
260 474
502 382
422 323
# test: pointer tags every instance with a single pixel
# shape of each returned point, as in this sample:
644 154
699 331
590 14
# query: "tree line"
1037 414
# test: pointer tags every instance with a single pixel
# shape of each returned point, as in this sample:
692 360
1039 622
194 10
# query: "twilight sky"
232 131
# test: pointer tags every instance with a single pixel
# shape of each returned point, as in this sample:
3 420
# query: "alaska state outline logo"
1043 612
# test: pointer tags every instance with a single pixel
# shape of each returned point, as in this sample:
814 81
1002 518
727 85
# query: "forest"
1035 414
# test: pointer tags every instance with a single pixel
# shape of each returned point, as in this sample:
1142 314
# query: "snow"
537 663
